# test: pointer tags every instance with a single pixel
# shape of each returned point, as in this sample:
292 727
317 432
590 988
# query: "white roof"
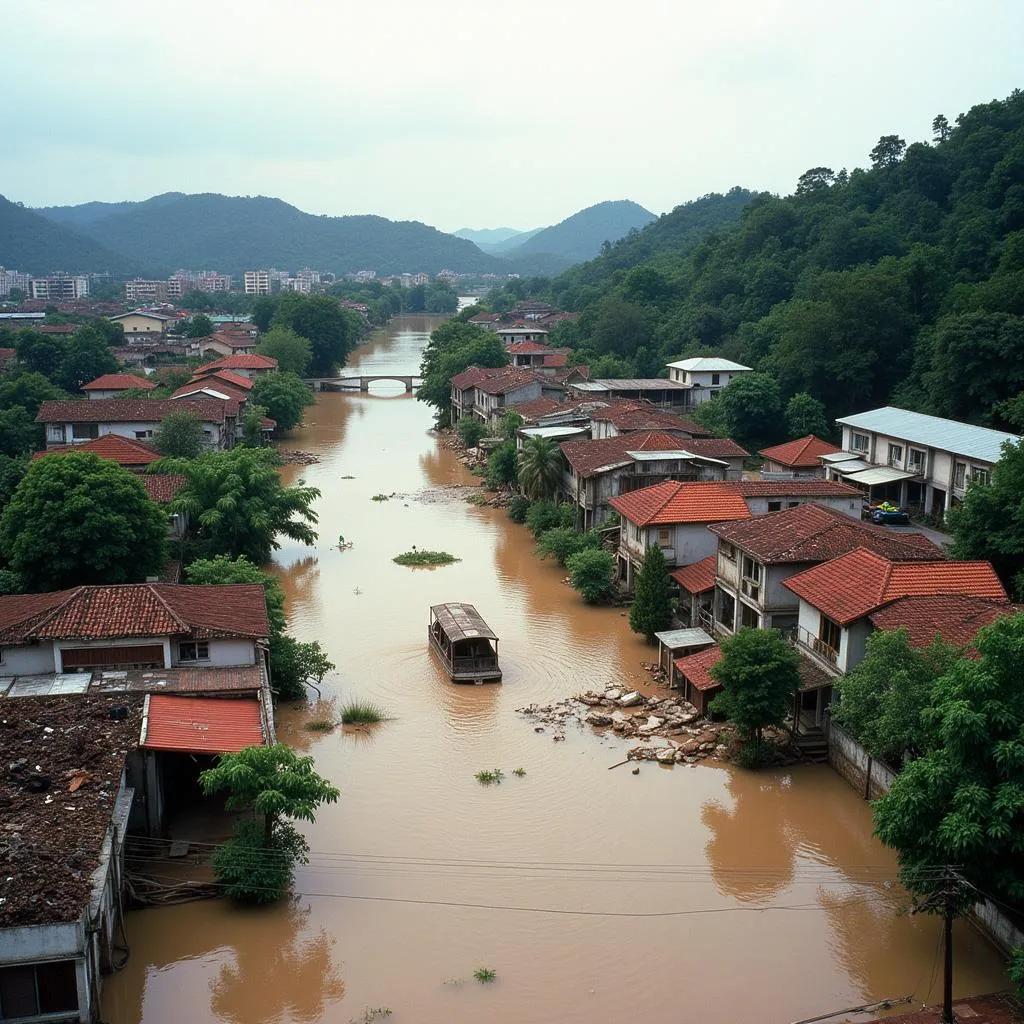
699 364
965 439
691 637
850 466
838 457
141 312
878 475
551 431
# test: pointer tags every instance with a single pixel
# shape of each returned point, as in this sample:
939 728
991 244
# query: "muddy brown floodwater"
680 894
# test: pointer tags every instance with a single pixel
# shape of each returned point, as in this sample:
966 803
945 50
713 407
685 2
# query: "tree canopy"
454 347
540 467
78 519
237 504
179 435
283 396
592 573
292 351
651 610
332 330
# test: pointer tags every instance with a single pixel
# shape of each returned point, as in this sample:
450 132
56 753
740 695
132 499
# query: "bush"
470 431
545 515
359 712
425 558
518 507
563 542
756 754
501 466
592 573
253 869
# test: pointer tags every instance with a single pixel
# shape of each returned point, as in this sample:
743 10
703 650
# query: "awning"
876 475
850 466
675 639
201 725
838 457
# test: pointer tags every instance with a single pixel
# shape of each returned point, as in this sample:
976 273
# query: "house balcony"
821 653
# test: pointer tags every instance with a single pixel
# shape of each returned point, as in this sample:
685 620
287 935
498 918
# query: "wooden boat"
465 643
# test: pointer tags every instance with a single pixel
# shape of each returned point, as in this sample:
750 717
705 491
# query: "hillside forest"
901 283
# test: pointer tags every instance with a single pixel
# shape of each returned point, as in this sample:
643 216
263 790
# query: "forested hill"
581 236
902 283
34 245
237 233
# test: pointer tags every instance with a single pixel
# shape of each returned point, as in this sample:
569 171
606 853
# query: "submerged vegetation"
359 712
415 557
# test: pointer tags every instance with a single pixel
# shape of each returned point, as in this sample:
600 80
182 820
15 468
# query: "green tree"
41 353
276 786
651 610
86 358
454 347
817 179
252 426
592 573
332 330
509 423
562 542
805 415
501 465
941 129
758 675
540 467
237 504
180 435
543 515
471 431
293 352
284 396
882 698
77 519
199 326
962 802
749 409
989 524
888 152
292 662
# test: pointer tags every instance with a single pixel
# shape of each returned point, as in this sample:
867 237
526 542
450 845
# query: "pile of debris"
291 457
670 729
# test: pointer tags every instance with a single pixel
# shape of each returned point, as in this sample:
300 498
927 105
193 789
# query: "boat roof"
462 622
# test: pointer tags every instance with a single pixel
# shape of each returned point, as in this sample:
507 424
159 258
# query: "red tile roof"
676 502
855 584
802 453
162 487
637 416
210 387
812 488
510 379
57 328
814 533
556 359
119 382
201 725
697 578
129 410
954 617
528 348
122 450
228 376
472 376
537 407
694 667
589 457
136 610
716 448
242 361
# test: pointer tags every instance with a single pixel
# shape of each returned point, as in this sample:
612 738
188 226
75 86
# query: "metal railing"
474 664
805 638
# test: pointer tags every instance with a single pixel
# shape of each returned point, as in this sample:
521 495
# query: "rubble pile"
670 729
291 457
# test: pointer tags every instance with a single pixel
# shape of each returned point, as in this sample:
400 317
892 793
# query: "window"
774 506
859 442
960 475
31 990
916 461
726 610
664 538
792 504
750 585
716 379
749 617
193 650
829 634
84 431
727 551
979 476
141 435
896 455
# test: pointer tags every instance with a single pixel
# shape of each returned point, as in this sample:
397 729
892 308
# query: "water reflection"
281 973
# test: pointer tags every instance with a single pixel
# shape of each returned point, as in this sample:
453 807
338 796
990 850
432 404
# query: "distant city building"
365 275
257 282
308 275
12 279
146 292
296 284
60 286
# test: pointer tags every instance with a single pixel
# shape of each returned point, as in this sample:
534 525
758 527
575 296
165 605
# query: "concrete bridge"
410 381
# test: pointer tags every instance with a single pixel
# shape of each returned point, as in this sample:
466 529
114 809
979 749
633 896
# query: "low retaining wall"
872 779
869 777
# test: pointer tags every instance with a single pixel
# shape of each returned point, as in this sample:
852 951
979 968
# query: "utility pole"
947 979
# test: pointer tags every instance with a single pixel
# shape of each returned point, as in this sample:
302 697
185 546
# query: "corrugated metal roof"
839 457
462 622
851 466
702 365
677 638
934 432
201 725
877 475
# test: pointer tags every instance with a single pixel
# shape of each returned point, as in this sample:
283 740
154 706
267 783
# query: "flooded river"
676 895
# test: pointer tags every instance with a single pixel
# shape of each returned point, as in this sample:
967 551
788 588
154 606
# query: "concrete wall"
853 644
222 653
27 660
62 433
847 505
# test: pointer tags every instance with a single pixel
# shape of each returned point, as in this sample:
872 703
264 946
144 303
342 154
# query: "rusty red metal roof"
122 450
699 577
804 452
201 725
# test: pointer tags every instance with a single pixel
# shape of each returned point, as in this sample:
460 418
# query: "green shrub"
501 466
425 558
592 573
755 754
518 507
357 712
562 542
542 516
253 869
470 431
485 975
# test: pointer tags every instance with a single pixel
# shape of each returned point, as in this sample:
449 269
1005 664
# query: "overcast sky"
478 113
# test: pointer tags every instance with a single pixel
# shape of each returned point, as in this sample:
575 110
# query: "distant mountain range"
157 236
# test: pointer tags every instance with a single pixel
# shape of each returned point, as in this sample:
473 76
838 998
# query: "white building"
65 287
914 459
257 282
13 279
705 376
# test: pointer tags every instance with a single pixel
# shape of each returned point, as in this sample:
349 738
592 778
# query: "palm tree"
540 467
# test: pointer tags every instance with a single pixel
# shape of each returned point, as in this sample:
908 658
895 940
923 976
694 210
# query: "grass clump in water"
320 725
425 558
381 497
487 776
518 772
360 712
370 1015
485 975
477 498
